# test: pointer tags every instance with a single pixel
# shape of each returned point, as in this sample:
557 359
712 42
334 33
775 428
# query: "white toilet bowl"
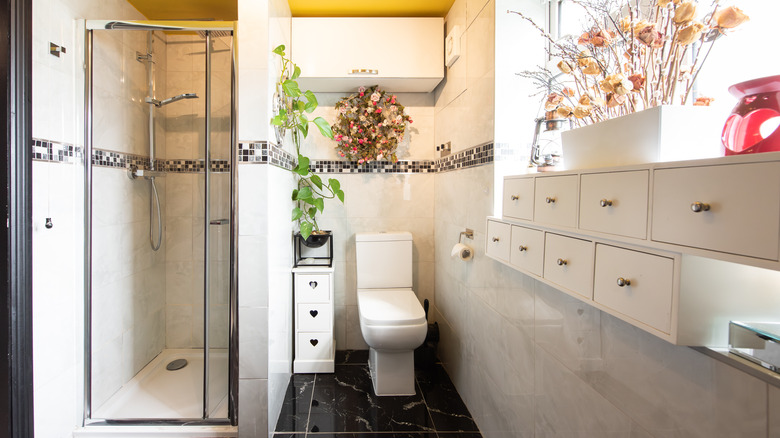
393 324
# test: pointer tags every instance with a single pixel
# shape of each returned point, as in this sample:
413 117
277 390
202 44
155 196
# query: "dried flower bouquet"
636 54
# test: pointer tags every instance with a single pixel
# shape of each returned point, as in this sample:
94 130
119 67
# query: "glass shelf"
756 342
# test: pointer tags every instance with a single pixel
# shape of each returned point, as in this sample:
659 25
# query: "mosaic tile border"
267 153
46 150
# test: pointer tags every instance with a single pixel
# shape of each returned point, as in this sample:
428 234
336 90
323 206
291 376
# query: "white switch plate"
452 46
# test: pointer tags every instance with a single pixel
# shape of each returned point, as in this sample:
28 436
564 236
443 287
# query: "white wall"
530 361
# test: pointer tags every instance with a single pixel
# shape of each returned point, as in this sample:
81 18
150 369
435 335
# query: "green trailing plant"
292 114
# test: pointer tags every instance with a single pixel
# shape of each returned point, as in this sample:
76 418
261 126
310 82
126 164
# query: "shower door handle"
219 221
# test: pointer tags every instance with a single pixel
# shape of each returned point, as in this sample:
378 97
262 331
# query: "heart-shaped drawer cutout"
314 342
313 313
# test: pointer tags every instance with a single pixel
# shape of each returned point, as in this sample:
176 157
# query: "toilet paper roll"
463 252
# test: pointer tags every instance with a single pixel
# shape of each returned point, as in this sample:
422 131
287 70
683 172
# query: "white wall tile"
253 343
252 408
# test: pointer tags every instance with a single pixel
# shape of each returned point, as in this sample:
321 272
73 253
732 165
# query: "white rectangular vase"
662 133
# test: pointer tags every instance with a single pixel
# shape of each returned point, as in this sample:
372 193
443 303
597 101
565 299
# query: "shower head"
215 33
159 103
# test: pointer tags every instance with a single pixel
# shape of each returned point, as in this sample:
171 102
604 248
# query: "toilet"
392 320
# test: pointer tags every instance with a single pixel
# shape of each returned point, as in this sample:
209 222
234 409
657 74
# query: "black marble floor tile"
297 404
343 405
446 408
345 402
351 357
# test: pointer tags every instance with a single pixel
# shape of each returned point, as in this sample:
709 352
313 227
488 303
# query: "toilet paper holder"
469 233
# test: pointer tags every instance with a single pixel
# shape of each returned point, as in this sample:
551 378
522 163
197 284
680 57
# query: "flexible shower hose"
155 199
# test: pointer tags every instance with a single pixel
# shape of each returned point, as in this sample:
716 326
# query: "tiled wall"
530 361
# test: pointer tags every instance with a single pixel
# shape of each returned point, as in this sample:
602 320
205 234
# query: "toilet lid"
389 307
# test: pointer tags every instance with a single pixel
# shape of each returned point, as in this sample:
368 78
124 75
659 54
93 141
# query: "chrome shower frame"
207 28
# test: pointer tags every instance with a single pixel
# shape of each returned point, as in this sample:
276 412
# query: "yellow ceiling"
227 10
370 8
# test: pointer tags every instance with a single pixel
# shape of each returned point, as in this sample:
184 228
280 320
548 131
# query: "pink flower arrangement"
369 125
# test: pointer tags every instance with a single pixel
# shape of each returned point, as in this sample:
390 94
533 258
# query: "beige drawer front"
497 240
519 198
743 202
615 203
314 346
314 317
648 281
527 249
568 262
312 288
555 200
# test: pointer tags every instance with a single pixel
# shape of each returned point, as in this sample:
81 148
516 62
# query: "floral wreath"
369 125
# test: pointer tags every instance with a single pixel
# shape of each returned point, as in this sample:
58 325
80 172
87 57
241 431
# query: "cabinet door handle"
314 313
313 284
698 207
562 262
550 200
314 342
605 203
364 71
515 197
523 248
496 239
623 282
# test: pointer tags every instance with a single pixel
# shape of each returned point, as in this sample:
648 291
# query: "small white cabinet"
315 346
339 54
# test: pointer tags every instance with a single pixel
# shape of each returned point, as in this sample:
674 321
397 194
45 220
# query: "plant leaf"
334 184
277 120
312 212
306 229
304 128
300 105
296 213
279 50
340 194
317 181
324 127
295 195
304 194
290 88
311 102
303 167
319 203
296 72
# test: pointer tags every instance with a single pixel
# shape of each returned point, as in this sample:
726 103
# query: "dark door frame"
16 375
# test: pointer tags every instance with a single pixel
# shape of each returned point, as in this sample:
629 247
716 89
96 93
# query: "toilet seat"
389 307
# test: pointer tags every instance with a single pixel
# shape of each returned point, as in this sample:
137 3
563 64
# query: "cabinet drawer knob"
313 284
496 239
623 282
314 342
562 262
605 202
364 71
523 248
550 200
515 197
314 313
698 207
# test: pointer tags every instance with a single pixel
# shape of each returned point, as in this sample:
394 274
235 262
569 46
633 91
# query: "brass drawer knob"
523 248
550 200
496 239
605 202
623 282
562 262
515 197
698 207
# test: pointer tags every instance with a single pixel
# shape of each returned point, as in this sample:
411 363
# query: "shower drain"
176 364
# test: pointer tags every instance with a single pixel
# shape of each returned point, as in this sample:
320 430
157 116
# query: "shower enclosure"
160 302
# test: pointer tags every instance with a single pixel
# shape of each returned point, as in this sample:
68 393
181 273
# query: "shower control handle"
219 221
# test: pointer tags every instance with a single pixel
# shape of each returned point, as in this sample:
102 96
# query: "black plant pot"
316 240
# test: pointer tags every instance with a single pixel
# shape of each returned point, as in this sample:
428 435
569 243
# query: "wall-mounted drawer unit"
499 236
635 284
527 249
519 198
568 262
339 54
615 203
733 209
555 200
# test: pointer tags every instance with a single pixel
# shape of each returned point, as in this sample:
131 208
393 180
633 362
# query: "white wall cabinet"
681 249
315 346
339 54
